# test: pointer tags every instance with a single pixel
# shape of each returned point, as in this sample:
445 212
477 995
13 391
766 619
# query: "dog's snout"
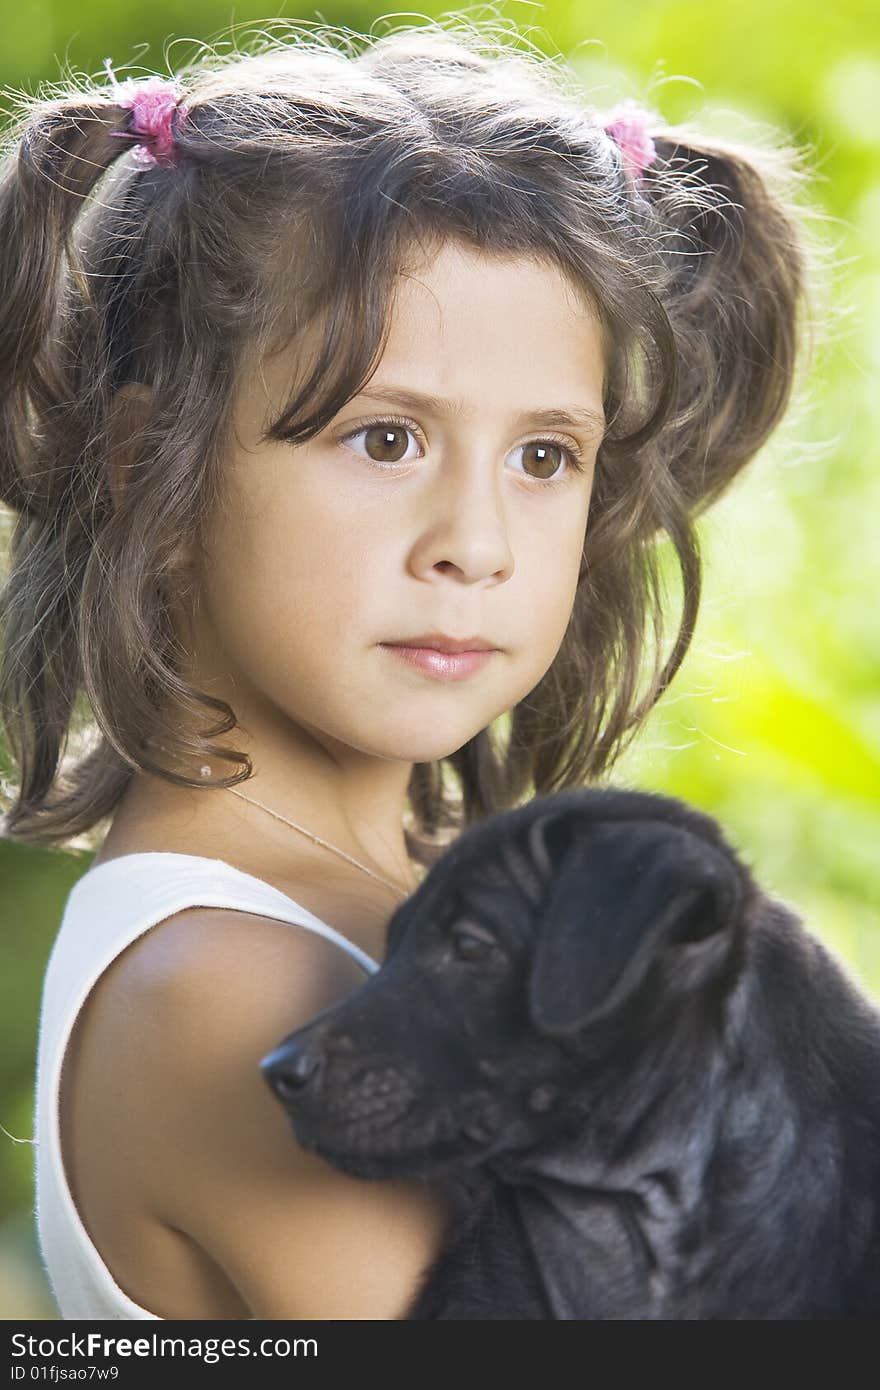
289 1068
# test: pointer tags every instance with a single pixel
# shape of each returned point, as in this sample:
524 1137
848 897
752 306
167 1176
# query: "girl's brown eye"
545 455
382 445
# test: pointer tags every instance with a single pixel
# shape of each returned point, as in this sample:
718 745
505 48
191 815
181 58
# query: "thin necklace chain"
401 893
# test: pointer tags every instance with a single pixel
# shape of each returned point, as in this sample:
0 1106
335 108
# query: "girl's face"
464 516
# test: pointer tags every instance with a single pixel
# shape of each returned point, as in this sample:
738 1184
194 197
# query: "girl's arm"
209 995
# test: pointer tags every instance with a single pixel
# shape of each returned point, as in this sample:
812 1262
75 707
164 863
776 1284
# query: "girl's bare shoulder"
175 1035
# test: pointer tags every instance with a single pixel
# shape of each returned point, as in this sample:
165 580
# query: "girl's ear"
626 893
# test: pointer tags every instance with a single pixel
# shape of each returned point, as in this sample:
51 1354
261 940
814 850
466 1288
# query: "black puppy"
650 1091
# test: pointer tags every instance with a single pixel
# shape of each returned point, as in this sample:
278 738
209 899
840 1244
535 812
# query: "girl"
345 397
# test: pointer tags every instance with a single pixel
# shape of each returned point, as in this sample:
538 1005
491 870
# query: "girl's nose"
468 529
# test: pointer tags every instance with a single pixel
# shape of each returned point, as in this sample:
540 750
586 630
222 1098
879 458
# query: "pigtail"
51 161
737 256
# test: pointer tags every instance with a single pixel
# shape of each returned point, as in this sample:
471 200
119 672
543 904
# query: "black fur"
650 1091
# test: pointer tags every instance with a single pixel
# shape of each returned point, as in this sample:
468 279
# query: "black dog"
651 1092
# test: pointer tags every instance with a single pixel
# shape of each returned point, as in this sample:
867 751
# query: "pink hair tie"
153 102
626 125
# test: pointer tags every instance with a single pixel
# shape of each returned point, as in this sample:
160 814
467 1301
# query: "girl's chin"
420 732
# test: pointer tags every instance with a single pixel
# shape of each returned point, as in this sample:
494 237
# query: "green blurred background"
773 723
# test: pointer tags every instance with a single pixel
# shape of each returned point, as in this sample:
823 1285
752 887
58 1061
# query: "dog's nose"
289 1068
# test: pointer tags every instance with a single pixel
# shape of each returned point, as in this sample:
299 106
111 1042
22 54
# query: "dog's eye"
471 943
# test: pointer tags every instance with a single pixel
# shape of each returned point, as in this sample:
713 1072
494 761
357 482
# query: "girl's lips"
444 666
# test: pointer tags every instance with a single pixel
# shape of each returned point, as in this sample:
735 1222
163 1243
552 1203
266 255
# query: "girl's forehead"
467 329
474 329
473 284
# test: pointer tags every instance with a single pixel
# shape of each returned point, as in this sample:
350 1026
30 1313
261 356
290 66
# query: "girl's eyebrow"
556 417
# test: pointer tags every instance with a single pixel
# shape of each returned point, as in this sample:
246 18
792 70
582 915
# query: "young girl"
346 393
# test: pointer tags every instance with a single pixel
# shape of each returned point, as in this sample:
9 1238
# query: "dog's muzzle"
331 1092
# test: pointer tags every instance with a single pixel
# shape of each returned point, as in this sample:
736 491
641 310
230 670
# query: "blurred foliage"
773 723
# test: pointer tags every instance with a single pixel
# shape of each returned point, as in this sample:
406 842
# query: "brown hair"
308 171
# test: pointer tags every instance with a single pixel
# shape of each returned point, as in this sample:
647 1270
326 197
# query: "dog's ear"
626 893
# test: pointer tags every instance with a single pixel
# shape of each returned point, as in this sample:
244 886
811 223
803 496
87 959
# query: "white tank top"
108 907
